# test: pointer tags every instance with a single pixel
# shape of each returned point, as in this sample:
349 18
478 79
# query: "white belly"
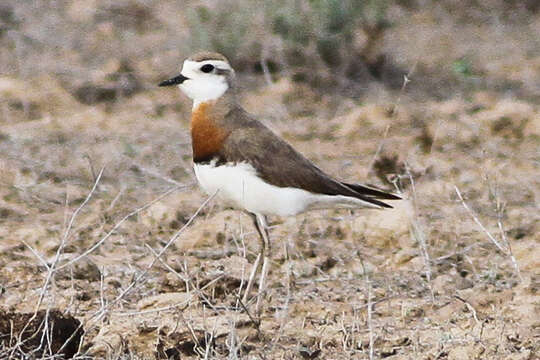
239 186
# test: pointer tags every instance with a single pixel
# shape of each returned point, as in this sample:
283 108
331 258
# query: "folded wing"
279 164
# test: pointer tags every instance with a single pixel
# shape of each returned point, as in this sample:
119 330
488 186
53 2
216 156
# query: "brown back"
228 134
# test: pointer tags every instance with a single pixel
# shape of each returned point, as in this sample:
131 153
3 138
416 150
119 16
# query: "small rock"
179 299
465 352
301 269
404 256
121 83
362 268
308 353
523 355
443 284
82 269
85 269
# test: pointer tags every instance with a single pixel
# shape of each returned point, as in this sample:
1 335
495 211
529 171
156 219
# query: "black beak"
177 80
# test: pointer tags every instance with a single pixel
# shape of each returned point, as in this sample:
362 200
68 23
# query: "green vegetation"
300 35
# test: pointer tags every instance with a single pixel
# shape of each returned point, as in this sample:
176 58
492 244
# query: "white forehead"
191 66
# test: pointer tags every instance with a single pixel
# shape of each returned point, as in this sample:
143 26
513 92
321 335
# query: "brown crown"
206 55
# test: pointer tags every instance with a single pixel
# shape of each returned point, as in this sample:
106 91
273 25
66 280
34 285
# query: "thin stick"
187 280
157 175
36 254
500 212
117 225
102 311
406 80
475 218
369 309
171 240
470 307
461 252
264 65
183 304
139 278
378 151
51 268
419 234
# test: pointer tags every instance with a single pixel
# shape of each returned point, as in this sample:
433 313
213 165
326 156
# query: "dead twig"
51 268
139 278
500 213
470 308
477 221
369 309
119 223
419 235
393 112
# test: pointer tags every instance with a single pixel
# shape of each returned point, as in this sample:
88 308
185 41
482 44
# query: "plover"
248 165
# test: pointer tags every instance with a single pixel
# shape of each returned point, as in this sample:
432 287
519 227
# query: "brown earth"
40 333
96 186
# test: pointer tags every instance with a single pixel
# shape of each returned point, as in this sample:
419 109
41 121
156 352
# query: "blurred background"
61 60
345 45
438 100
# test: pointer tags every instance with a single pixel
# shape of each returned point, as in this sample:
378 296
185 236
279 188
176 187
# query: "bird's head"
204 76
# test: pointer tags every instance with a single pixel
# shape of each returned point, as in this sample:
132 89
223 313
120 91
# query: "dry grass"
100 217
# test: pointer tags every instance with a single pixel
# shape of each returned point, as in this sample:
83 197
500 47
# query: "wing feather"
279 164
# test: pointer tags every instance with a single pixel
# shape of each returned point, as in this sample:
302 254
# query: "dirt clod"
23 333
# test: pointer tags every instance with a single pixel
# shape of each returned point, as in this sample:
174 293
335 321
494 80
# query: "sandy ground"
451 272
101 219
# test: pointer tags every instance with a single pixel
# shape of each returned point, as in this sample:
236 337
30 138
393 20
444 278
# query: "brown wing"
277 163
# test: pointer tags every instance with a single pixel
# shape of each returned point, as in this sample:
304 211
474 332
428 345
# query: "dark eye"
207 68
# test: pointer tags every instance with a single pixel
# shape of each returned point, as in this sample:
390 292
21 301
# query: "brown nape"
207 55
206 136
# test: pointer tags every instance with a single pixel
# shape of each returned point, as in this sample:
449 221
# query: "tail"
372 195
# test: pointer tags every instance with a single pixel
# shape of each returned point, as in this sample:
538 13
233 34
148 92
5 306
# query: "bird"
248 166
